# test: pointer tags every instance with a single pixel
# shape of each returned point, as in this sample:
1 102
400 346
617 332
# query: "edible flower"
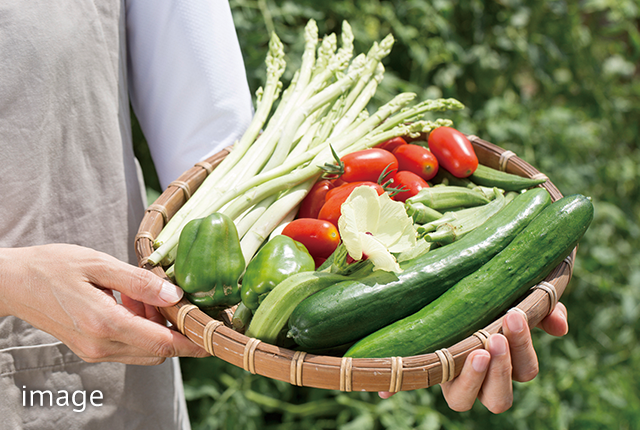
373 227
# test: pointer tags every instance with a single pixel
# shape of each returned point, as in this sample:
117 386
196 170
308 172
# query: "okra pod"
454 225
446 197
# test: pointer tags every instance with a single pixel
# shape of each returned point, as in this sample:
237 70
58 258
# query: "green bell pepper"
278 259
209 262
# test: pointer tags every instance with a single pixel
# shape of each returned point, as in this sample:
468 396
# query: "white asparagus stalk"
249 219
315 95
272 217
417 111
360 103
275 68
362 117
376 54
328 122
258 154
287 219
305 141
310 125
267 142
326 51
372 67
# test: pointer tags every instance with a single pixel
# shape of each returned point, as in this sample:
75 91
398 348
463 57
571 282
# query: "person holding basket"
82 344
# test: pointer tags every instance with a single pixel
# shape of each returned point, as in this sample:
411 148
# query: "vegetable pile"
338 231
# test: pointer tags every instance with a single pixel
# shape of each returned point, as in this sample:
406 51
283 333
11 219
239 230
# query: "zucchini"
488 177
479 298
350 310
273 313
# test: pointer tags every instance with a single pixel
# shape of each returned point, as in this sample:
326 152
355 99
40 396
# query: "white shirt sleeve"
187 81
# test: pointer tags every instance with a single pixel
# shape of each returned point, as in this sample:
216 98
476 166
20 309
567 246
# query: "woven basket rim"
330 372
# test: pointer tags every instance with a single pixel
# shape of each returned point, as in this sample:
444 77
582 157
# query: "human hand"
487 374
67 291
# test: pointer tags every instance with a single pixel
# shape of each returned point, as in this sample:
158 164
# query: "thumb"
137 283
146 287
556 323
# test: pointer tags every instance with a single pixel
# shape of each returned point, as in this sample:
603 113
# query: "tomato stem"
333 170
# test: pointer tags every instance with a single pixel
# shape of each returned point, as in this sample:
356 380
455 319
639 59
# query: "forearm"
67 291
7 269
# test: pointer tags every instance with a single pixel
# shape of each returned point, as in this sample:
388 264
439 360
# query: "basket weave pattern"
339 373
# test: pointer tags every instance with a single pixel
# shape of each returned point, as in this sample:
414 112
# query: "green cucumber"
350 310
488 177
479 298
273 313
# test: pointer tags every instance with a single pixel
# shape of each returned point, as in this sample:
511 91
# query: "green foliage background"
558 83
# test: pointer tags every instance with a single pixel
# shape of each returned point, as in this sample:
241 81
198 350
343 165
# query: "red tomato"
319 260
320 237
453 151
346 188
337 182
313 201
417 159
368 164
331 210
419 138
410 182
391 144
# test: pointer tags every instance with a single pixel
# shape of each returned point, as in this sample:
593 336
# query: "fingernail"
563 315
480 363
170 293
497 346
514 322
563 312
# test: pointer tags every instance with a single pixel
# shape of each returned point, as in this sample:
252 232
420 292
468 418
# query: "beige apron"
69 175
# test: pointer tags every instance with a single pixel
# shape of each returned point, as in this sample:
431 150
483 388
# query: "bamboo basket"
328 372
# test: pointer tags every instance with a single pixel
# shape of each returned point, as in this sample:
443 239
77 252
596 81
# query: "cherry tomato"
417 159
319 260
345 189
332 209
453 151
391 144
337 182
368 164
419 138
313 201
411 183
320 238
